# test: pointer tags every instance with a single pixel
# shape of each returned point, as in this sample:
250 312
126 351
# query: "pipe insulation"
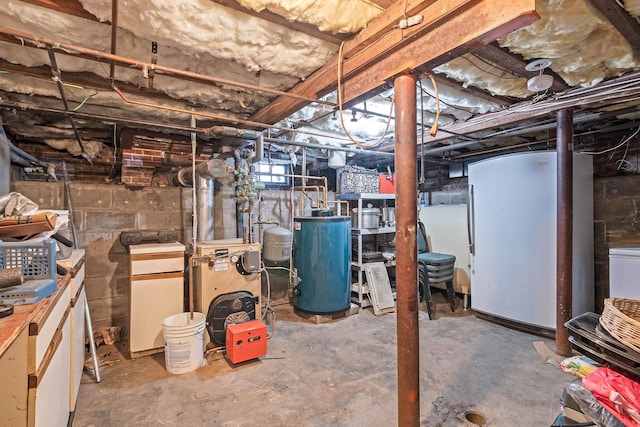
205 208
26 156
212 168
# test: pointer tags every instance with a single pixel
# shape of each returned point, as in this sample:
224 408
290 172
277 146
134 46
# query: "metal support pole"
92 341
565 230
74 235
407 252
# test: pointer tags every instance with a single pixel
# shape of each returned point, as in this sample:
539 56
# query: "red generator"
246 341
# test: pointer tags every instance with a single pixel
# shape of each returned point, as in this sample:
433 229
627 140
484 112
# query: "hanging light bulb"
542 81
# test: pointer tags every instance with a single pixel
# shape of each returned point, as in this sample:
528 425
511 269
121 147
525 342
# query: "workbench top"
27 314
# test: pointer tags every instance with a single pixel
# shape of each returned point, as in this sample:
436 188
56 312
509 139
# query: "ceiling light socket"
540 83
538 64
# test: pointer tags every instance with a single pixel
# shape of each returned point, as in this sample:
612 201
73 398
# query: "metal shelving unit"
357 200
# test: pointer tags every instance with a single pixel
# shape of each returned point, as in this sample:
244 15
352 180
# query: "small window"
271 173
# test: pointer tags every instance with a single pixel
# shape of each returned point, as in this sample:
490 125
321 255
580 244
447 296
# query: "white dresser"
157 292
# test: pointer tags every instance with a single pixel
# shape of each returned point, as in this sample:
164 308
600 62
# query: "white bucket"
183 342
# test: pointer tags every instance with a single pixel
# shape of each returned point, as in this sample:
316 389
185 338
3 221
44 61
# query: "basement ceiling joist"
377 54
516 64
627 26
586 52
279 20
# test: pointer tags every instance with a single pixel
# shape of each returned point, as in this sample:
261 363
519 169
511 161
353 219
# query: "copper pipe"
39 42
114 38
340 202
325 194
205 131
564 280
219 117
406 252
312 187
191 259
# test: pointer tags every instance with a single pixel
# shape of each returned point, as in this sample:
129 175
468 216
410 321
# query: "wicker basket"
621 318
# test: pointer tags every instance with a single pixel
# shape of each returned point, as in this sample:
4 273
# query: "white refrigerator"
512 202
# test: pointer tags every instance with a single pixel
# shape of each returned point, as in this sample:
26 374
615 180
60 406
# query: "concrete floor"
339 373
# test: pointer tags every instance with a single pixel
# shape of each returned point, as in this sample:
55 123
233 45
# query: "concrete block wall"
101 212
617 224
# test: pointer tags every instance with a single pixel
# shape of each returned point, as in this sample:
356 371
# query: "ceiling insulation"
336 16
218 38
584 47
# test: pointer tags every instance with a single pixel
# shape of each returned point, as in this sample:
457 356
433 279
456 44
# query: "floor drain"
476 418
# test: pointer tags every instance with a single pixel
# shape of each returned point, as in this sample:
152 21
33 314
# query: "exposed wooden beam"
280 20
515 64
379 40
472 27
383 4
600 95
70 7
620 19
497 99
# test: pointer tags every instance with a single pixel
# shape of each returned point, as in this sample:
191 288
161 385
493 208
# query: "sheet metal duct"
205 173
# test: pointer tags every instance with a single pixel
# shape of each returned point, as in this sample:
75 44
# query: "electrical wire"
491 64
85 100
596 153
267 305
442 102
488 72
344 128
434 129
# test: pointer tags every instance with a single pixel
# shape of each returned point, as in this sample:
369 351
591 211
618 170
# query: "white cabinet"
157 292
77 268
42 355
362 237
49 353
49 386
624 270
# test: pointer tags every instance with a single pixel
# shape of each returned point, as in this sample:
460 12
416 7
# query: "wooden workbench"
36 358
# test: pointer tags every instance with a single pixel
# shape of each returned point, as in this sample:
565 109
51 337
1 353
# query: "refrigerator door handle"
471 225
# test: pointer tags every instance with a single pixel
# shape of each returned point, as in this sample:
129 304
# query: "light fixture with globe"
540 82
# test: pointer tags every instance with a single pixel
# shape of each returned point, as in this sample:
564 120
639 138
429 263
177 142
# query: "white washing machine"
230 277
624 270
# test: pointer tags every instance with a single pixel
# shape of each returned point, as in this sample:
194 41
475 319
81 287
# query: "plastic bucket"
183 342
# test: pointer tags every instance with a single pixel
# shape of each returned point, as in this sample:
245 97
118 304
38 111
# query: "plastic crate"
36 260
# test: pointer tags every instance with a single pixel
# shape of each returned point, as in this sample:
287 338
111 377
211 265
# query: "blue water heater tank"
322 258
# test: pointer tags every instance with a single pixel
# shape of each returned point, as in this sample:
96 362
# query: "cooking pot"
388 216
370 218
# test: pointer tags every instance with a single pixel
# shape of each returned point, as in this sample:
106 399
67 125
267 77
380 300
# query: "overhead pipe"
39 41
57 77
212 168
214 116
564 272
26 156
328 147
187 129
289 175
205 207
406 252
17 160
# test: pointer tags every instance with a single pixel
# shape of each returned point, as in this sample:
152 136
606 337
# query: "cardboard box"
25 225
